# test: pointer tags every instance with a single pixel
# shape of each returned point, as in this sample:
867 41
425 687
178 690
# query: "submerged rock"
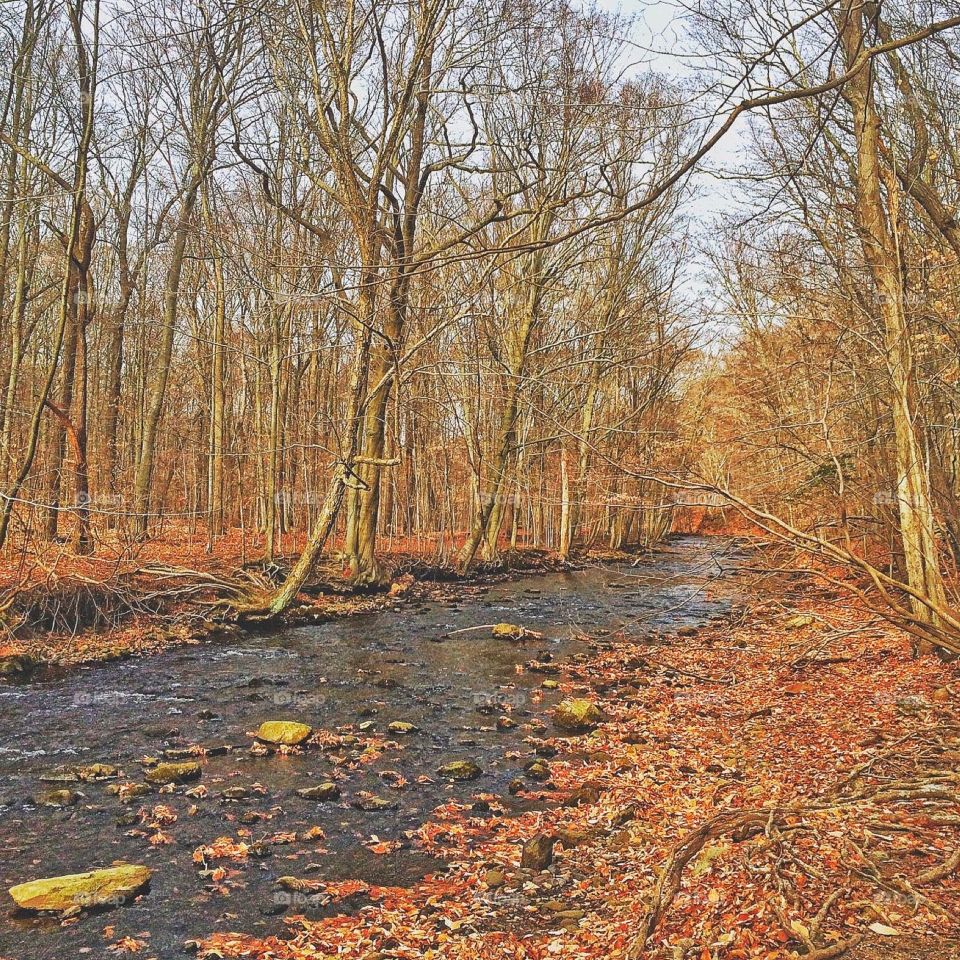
322 792
98 888
60 775
57 798
577 716
460 770
174 772
287 733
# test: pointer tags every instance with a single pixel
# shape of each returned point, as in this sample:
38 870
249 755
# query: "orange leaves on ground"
221 848
382 847
128 945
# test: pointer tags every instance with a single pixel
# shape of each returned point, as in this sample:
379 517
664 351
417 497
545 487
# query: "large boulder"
576 716
285 733
98 888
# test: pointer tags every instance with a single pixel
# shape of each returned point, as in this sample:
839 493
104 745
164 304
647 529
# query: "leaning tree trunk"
342 475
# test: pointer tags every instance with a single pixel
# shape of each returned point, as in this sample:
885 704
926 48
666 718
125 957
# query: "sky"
659 44
659 38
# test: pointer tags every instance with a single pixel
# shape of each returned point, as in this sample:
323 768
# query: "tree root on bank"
70 605
776 823
671 876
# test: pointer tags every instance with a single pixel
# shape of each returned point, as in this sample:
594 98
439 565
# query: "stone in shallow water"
174 772
98 888
460 770
73 773
235 793
129 792
17 666
402 727
287 733
323 791
576 716
538 770
374 804
57 798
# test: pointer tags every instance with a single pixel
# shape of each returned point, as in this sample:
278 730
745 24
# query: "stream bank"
71 621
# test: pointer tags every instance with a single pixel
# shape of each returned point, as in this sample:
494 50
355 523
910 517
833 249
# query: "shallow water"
392 665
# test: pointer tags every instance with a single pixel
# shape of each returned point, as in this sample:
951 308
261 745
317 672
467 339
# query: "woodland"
320 316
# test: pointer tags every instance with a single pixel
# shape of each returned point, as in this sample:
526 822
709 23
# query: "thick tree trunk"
876 218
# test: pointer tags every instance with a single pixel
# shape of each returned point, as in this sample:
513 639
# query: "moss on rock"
98 888
174 772
576 716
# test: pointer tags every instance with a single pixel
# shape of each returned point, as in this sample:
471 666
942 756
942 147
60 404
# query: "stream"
398 664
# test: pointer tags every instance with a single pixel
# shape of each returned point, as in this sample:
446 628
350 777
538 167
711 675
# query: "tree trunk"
157 388
876 219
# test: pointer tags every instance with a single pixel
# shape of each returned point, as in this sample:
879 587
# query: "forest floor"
782 785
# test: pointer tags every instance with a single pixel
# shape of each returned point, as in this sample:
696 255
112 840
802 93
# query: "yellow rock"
99 888
174 772
577 715
286 733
